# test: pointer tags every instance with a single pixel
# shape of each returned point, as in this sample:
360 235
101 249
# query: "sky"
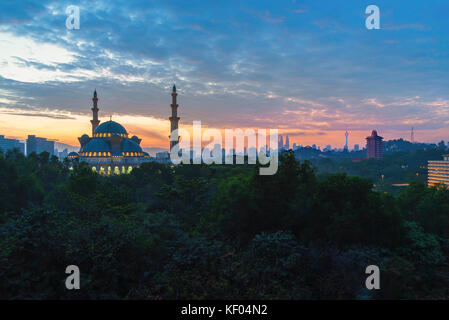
310 69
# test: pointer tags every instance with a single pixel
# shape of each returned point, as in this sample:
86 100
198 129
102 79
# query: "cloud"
252 64
43 115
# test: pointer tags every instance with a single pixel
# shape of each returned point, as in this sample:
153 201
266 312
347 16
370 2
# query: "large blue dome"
111 127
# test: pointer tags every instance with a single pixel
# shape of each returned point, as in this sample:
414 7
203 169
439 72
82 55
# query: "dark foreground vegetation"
215 232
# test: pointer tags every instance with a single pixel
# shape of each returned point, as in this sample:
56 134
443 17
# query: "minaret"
174 119
95 122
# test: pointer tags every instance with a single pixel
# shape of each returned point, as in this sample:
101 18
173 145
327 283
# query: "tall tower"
287 143
95 122
346 135
174 119
281 142
412 136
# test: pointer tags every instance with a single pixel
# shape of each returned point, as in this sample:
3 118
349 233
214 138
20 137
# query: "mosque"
110 150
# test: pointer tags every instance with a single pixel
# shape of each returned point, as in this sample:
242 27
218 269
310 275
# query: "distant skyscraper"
281 142
39 145
412 136
63 154
287 143
10 144
356 147
374 146
294 146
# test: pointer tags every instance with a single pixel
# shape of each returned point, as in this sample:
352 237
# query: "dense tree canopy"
216 232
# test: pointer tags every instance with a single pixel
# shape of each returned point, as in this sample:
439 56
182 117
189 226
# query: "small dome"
111 127
97 145
130 146
72 155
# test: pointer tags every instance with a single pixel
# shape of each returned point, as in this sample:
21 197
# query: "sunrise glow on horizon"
293 67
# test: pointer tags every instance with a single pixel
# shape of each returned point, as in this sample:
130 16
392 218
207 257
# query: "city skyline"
308 70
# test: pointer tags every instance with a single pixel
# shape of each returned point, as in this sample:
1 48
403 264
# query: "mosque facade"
109 149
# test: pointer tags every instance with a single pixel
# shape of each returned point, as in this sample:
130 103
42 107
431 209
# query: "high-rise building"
10 144
438 171
374 146
287 143
281 142
63 154
356 147
39 145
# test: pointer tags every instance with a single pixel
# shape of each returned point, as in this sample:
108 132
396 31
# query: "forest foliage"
216 232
